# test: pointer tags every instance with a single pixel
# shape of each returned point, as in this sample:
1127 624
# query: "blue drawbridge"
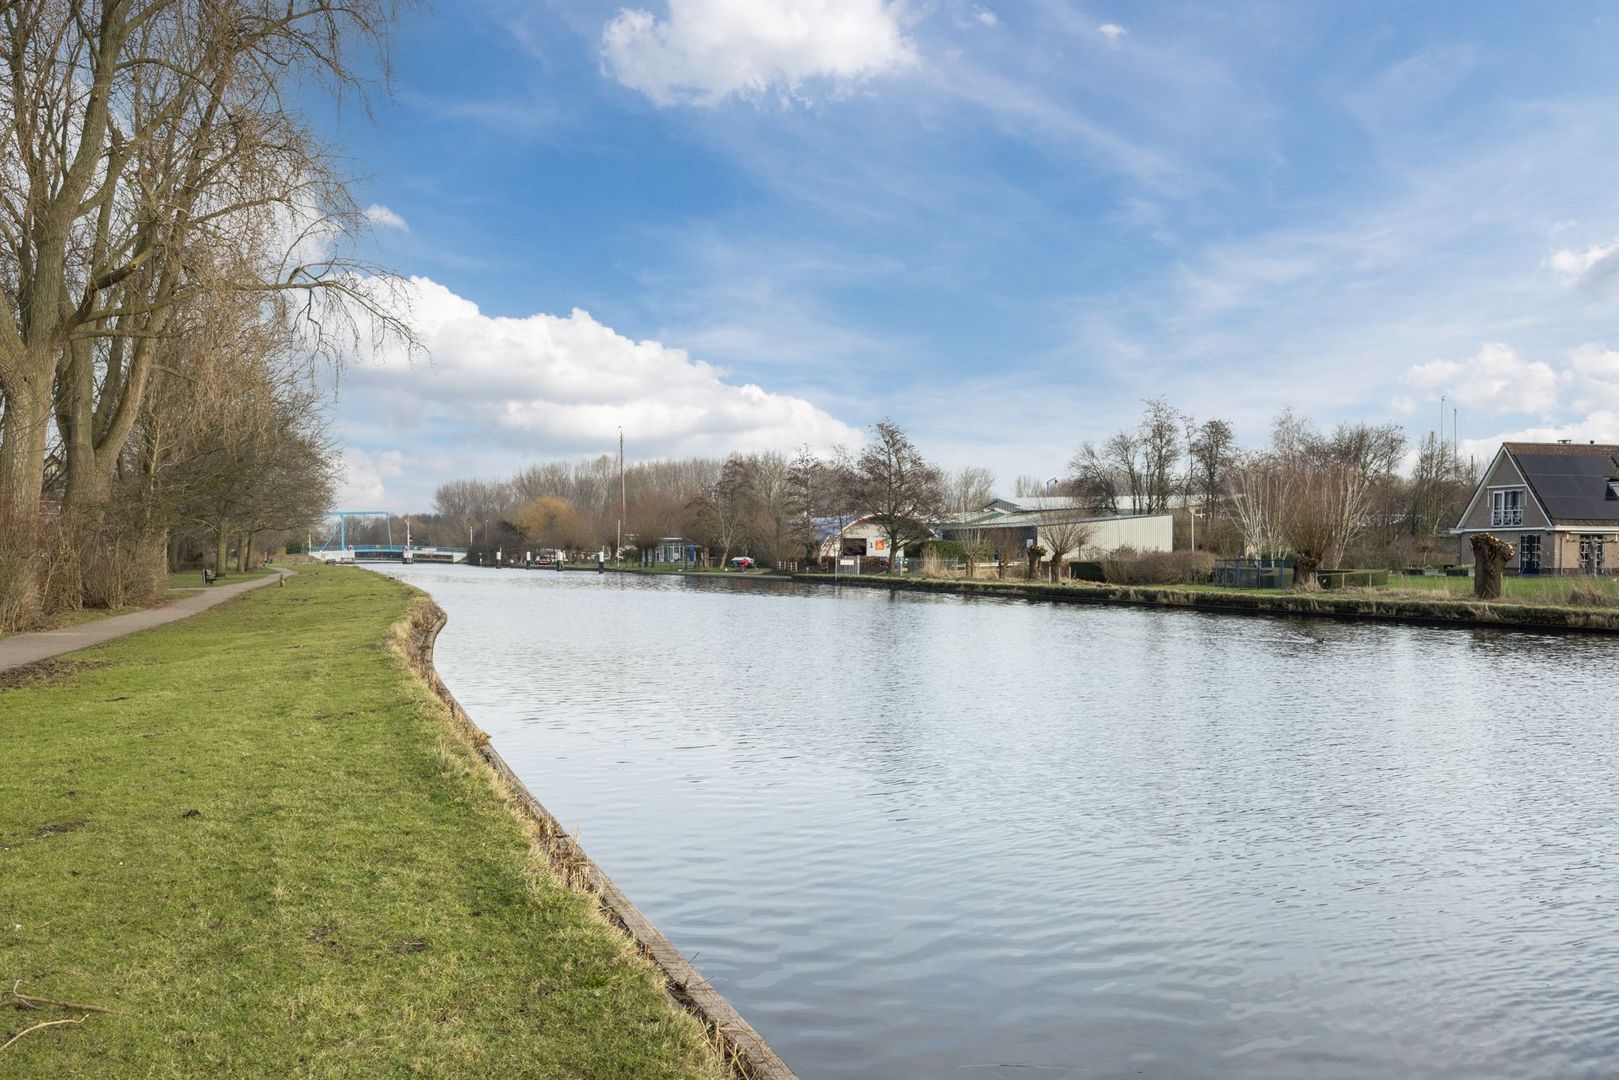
335 546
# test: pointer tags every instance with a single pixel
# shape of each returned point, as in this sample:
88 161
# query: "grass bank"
184 583
256 838
1358 604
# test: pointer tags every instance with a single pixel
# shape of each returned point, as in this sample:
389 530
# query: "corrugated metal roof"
1570 480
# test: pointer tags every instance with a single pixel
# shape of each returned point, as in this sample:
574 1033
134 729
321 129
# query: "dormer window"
1506 508
1613 489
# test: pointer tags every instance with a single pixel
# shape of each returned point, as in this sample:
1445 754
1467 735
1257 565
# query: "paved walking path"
32 648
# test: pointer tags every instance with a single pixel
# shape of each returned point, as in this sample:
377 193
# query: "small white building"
1012 534
864 537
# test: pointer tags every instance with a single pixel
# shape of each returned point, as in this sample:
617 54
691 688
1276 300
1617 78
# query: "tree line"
1318 497
170 239
771 506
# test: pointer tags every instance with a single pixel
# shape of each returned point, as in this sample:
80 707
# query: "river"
911 835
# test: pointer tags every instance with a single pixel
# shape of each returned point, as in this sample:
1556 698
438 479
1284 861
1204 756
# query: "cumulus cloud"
378 214
1601 426
1593 374
364 477
986 17
1112 31
510 390
1596 269
707 50
1493 380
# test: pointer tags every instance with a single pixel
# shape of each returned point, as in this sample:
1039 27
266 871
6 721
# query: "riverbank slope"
1332 605
256 837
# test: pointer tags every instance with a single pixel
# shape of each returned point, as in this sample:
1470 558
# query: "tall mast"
622 502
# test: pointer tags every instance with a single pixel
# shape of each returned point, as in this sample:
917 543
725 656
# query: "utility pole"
623 503
1441 425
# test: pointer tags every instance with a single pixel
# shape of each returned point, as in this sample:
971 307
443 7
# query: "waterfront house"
1557 504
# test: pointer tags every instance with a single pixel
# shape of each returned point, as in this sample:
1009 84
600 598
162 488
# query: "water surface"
912 835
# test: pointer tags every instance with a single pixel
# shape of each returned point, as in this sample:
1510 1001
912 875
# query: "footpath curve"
24 649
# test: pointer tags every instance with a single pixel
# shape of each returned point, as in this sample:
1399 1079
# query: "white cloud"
986 17
1493 380
511 390
1403 404
1593 372
378 214
1595 269
707 50
1112 31
1601 426
364 482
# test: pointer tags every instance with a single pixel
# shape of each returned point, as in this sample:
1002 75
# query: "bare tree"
898 486
775 528
1212 446
1136 468
150 159
1064 533
1312 494
724 508
968 492
1259 487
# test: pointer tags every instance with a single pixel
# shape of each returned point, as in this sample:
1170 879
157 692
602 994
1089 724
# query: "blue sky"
758 223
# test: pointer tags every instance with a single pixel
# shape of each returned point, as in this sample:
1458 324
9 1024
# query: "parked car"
742 562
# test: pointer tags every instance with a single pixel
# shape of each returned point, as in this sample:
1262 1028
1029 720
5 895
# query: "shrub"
1592 594
1087 570
1126 566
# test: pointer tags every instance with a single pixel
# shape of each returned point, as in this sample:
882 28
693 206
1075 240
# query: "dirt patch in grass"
54 668
59 829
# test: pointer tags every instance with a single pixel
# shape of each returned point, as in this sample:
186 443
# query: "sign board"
878 546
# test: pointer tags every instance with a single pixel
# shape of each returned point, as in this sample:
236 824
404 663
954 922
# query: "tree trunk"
1490 556
221 551
1304 568
23 427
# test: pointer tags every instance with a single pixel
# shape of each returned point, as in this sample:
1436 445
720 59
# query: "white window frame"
1503 516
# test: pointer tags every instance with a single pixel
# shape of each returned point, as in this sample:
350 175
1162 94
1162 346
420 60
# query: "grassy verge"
1389 605
64 619
254 835
190 581
676 568
1536 591
1525 590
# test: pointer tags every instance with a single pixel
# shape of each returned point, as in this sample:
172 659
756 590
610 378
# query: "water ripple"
916 836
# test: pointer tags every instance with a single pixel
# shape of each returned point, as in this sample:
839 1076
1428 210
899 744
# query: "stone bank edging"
746 1052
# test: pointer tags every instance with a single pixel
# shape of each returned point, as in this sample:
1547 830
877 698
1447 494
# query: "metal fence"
1253 573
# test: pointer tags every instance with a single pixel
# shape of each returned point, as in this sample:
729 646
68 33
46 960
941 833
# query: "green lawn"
1550 591
255 836
63 619
189 581
1538 590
